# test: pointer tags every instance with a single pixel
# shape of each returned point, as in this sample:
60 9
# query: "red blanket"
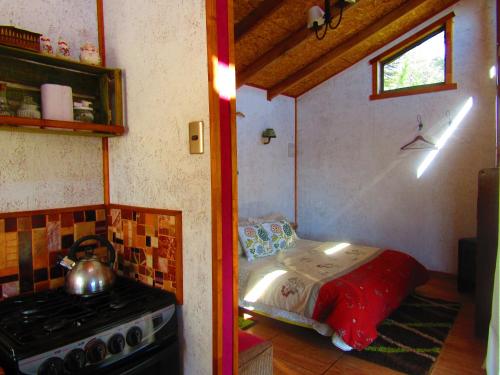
354 304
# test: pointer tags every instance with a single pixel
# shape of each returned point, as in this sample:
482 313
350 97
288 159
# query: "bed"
338 289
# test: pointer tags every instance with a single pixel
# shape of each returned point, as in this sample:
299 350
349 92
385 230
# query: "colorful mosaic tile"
149 245
38 221
84 229
25 261
78 216
53 236
8 253
11 224
23 224
146 245
67 220
31 246
100 215
39 248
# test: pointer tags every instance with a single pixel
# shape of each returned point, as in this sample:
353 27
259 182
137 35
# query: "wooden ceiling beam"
255 17
344 47
279 49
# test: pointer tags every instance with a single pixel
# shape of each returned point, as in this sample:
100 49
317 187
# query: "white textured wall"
266 172
354 182
162 46
41 170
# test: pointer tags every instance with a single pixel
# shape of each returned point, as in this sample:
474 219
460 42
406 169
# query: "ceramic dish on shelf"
83 111
29 108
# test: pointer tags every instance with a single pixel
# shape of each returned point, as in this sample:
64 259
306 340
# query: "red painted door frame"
222 88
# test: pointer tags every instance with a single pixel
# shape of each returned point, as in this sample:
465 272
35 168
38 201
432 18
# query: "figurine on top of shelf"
89 54
45 45
63 49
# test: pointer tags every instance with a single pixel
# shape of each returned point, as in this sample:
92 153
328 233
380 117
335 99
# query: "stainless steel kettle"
88 276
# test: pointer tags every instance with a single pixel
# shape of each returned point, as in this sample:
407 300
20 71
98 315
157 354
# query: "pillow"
281 234
261 219
255 241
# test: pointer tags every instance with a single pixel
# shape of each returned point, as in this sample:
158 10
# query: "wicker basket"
11 36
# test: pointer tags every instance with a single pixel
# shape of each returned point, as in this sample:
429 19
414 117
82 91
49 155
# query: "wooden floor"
302 351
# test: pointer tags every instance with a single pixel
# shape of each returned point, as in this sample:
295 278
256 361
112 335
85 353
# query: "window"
419 64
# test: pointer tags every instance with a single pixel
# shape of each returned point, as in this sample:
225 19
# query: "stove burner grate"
54 314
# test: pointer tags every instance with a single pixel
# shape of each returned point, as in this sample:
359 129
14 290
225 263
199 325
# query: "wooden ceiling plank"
256 16
261 62
341 49
370 51
279 49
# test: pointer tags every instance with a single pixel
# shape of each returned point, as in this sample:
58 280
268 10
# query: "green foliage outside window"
422 64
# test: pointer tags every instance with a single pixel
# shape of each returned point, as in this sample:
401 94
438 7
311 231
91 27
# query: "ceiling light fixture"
317 17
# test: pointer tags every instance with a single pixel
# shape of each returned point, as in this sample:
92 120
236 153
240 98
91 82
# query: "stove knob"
52 366
75 360
96 351
116 343
134 336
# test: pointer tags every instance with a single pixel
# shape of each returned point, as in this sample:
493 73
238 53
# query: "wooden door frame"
220 53
105 145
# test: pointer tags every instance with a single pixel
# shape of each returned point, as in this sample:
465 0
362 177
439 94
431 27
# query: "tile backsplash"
148 245
30 244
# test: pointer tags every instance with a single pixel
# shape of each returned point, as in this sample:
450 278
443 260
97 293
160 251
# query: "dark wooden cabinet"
487 245
466 280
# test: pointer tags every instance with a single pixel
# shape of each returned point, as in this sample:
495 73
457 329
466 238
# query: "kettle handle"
75 248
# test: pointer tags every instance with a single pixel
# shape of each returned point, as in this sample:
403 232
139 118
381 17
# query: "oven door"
159 361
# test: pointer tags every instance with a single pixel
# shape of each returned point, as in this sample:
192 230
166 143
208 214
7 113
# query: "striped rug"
245 323
411 339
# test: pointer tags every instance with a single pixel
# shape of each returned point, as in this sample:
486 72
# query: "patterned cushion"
281 233
255 241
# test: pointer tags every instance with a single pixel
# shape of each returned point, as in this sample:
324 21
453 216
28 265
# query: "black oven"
131 330
156 361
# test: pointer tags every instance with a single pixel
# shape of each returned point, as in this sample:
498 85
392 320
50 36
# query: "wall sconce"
268 133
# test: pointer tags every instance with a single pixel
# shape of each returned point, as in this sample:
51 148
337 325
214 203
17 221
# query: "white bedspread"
290 281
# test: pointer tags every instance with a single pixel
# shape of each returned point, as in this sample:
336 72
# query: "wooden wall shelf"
59 127
25 71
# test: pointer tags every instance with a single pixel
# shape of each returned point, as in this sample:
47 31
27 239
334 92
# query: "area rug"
411 339
245 323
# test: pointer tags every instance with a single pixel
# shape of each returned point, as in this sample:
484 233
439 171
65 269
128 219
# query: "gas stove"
131 329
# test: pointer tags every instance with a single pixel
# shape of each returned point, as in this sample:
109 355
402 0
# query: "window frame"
443 24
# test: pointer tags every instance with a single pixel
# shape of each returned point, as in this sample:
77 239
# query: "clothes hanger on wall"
427 144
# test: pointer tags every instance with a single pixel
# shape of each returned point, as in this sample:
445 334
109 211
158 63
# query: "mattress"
292 259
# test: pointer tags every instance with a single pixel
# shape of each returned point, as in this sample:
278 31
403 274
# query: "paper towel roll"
57 102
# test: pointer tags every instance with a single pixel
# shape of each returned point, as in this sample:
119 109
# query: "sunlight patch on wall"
262 285
336 248
446 135
224 79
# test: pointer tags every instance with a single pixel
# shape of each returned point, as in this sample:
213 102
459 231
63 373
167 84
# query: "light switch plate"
196 137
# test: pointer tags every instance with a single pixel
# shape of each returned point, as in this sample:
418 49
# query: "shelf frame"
59 127
107 81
